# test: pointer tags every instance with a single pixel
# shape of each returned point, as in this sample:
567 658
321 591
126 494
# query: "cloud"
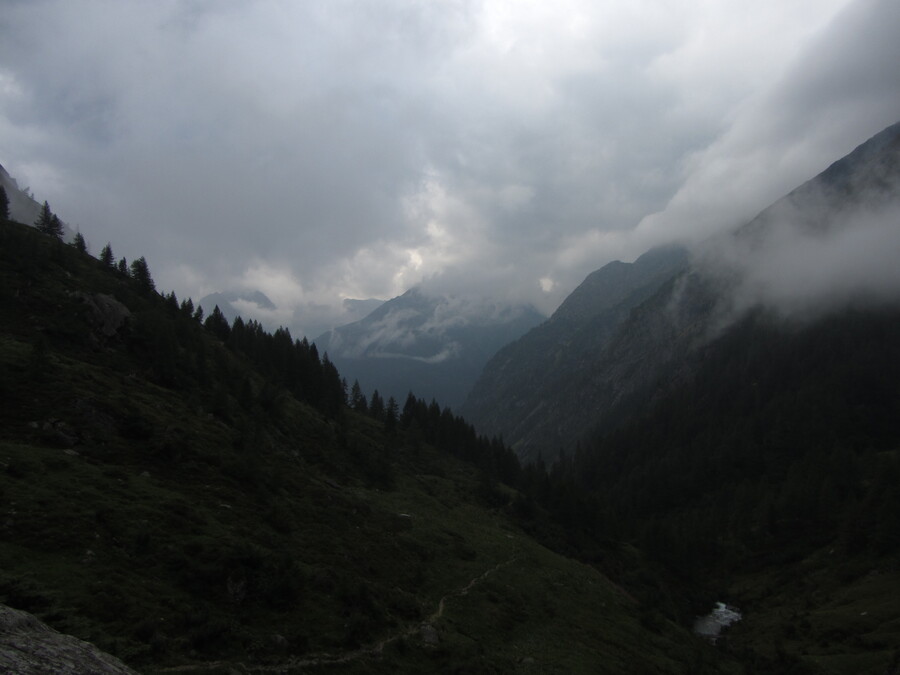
827 246
449 351
354 149
800 277
841 89
799 273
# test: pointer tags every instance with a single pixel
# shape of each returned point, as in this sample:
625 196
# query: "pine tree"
140 272
56 227
123 266
410 410
376 406
4 205
48 223
217 324
391 413
43 220
358 399
333 393
79 243
106 255
171 302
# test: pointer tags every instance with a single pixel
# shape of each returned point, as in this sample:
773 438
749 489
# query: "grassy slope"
174 537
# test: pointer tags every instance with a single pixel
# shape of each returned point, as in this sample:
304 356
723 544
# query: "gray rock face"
29 647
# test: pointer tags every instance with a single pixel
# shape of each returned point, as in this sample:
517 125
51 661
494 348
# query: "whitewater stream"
711 625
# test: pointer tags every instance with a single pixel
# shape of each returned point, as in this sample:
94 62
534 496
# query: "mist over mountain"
831 243
432 345
828 245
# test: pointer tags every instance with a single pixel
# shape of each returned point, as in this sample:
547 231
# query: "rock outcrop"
30 647
107 314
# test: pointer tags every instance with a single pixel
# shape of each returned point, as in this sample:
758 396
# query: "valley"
173 504
191 493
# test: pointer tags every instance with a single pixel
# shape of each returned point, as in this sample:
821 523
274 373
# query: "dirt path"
324 658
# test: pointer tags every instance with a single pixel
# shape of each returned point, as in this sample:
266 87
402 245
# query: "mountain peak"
432 344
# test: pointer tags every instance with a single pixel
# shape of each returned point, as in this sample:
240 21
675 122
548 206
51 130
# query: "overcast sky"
333 149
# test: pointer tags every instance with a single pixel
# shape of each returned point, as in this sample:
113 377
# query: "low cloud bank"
804 263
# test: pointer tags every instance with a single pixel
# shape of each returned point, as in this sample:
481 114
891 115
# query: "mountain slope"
516 394
432 345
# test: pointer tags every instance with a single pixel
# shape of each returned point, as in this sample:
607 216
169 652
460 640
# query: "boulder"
30 647
429 635
107 313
